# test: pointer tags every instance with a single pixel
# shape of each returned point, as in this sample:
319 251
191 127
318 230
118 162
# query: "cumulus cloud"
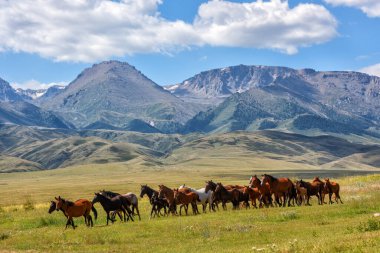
261 24
369 7
91 30
36 85
373 70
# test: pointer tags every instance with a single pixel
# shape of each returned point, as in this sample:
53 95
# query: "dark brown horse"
313 189
264 190
185 199
211 186
157 203
280 187
332 188
81 207
224 195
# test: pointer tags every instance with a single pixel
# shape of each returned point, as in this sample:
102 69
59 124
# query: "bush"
28 205
370 225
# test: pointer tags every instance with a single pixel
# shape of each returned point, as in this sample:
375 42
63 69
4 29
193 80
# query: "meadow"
25 224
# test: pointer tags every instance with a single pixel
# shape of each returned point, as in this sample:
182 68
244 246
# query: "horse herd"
268 192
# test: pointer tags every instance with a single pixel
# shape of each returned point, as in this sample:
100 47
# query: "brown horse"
280 187
224 195
330 188
314 188
81 207
168 194
264 190
185 199
253 194
301 194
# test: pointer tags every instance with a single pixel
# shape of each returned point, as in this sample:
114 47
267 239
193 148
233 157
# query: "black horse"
157 203
132 198
118 203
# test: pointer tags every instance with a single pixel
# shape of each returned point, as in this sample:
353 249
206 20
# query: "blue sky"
175 39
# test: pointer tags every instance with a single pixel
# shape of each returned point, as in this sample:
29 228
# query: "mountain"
7 93
339 89
30 94
40 94
115 93
24 113
287 99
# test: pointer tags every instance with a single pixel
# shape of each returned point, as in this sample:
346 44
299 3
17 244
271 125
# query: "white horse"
203 196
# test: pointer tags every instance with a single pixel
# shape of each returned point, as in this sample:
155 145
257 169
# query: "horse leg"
72 222
330 201
108 217
138 212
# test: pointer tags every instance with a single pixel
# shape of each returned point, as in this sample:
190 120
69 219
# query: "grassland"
25 224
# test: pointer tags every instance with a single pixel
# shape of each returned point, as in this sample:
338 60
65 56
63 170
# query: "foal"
185 199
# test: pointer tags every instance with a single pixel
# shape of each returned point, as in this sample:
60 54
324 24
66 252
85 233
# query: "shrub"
370 225
28 205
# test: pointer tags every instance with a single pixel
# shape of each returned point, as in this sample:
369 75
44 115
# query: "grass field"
25 224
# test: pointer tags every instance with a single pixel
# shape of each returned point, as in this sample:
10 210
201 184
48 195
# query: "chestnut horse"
264 190
330 188
168 194
185 199
81 207
225 196
253 194
281 187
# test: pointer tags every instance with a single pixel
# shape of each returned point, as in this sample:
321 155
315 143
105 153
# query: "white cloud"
261 24
91 30
373 70
35 85
369 7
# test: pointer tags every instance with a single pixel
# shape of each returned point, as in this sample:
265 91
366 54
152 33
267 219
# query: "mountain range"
113 98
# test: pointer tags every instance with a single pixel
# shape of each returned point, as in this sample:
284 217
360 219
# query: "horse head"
53 206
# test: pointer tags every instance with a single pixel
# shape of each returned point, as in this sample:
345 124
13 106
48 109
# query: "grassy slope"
336 228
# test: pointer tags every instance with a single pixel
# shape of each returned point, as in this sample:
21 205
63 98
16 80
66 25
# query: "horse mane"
109 194
68 202
272 178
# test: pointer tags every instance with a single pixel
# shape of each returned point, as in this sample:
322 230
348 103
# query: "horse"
205 197
130 196
210 187
225 196
280 187
118 203
330 188
53 207
313 189
156 202
253 194
81 207
185 199
264 190
168 194
301 194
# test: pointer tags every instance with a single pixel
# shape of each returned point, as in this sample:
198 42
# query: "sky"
47 42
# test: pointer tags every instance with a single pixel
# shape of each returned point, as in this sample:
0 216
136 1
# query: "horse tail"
95 212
